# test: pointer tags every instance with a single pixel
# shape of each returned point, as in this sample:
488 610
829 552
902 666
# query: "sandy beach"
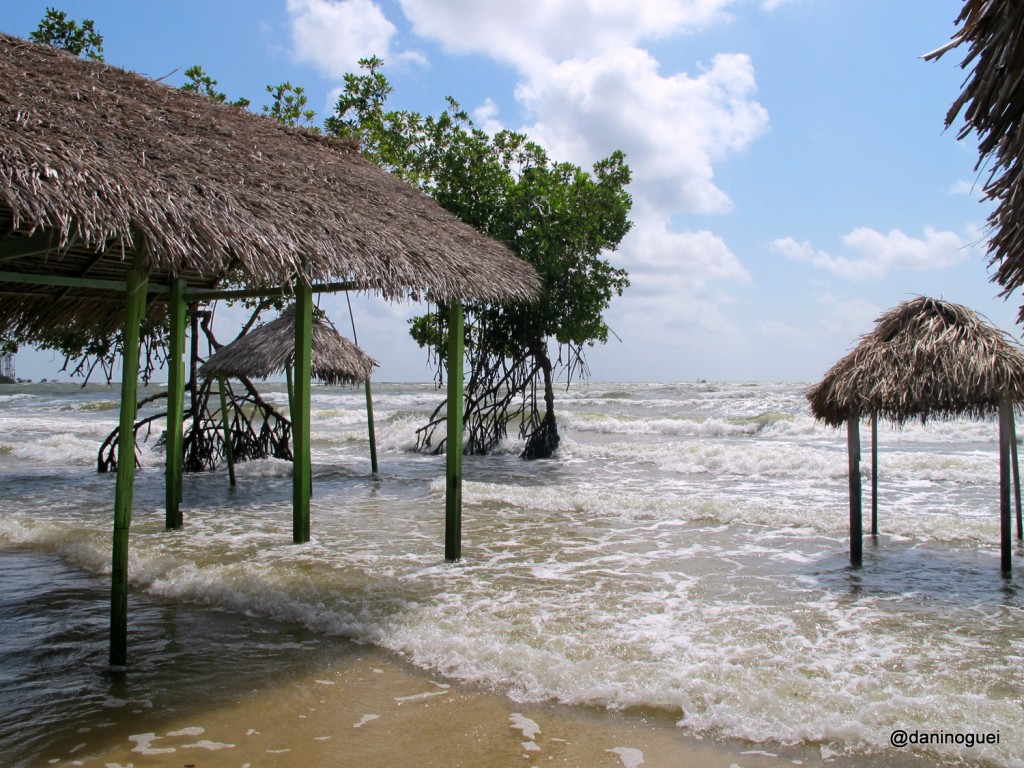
370 709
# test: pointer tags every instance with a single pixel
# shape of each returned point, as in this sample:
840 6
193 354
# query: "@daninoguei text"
902 738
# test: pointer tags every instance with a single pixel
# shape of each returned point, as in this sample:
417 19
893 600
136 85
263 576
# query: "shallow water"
686 554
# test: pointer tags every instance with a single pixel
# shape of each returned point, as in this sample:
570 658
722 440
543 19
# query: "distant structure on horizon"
7 368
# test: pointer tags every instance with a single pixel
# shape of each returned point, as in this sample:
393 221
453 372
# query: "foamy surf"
657 565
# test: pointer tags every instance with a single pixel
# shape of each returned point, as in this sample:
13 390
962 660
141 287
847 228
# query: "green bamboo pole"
874 474
302 473
229 449
1005 532
135 305
453 449
65 281
210 294
853 448
175 404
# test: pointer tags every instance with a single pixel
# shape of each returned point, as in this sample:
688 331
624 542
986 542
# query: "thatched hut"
95 161
270 350
992 105
122 198
925 359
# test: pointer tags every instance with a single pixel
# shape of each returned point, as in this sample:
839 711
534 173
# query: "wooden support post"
175 404
853 448
1005 533
302 471
453 446
1016 473
135 306
370 429
874 474
229 449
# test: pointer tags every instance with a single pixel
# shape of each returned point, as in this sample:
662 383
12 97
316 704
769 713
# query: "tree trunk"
543 442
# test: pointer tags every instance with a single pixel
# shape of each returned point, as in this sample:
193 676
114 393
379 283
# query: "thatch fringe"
925 359
270 349
992 104
101 157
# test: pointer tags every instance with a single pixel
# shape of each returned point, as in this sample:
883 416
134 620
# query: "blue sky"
792 175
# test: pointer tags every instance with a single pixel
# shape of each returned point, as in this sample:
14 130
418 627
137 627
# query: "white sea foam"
529 727
630 756
687 551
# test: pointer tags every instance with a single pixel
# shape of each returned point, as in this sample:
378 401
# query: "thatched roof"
992 104
94 158
270 349
925 359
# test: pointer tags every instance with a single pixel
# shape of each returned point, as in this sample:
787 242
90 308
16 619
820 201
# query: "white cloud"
850 318
675 279
486 117
527 32
878 253
673 128
334 34
589 88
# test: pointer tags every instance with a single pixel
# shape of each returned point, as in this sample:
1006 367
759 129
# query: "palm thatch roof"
925 359
992 104
270 349
96 160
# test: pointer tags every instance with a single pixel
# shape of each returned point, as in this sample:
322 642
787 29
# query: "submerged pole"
853 449
291 395
874 474
175 404
1016 473
229 449
1005 534
370 430
453 446
369 394
135 306
302 472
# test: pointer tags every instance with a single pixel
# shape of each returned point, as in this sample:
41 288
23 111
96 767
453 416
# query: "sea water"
685 553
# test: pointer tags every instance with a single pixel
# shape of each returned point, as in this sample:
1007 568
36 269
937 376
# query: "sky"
792 174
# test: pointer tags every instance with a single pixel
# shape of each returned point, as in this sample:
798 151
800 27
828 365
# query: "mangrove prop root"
257 431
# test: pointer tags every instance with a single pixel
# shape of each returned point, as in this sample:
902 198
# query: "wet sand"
369 709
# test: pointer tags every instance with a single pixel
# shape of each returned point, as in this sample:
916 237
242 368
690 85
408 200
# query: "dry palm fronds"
925 359
103 158
270 349
992 104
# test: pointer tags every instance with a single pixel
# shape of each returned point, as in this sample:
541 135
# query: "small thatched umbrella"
270 349
926 359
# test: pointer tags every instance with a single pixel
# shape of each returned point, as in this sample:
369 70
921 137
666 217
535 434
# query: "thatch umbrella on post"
270 350
925 359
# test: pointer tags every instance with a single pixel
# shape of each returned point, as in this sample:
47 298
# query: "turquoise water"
685 553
